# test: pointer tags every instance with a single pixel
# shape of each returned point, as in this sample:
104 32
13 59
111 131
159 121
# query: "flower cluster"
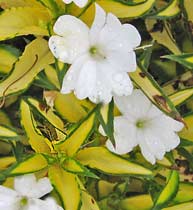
100 60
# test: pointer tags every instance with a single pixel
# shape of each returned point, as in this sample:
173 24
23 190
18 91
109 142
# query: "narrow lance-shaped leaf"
49 115
184 59
36 140
169 191
181 96
171 10
66 186
4 4
106 118
187 132
142 202
7 133
70 108
184 206
32 164
8 56
153 91
102 159
23 21
35 57
121 10
163 36
78 135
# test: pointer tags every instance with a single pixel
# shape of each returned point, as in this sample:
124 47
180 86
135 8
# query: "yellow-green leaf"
66 186
169 191
36 140
119 9
185 59
140 202
50 116
88 202
102 159
187 132
8 56
35 57
70 108
153 91
171 10
6 162
185 193
6 4
188 8
183 206
23 21
7 133
181 96
32 164
163 36
77 136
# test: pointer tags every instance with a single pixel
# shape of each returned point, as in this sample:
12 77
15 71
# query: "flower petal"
38 204
86 81
98 24
125 136
72 40
134 106
8 199
132 35
28 186
80 3
122 85
71 77
122 61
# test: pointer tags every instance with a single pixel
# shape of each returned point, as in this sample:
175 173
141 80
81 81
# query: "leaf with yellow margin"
66 186
102 159
35 57
36 140
32 164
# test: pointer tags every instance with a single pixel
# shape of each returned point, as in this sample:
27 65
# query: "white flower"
100 57
143 124
27 194
79 3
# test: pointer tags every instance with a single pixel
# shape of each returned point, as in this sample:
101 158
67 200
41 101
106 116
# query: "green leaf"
66 186
169 191
106 118
23 21
35 57
102 159
184 59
